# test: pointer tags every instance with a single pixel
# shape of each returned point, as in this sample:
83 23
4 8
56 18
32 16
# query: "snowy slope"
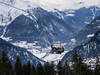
44 54
10 9
14 51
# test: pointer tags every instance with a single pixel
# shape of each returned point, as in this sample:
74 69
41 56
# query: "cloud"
66 4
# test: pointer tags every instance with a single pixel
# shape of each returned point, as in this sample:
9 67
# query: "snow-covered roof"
57 45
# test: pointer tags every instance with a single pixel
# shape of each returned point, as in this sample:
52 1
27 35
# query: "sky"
66 4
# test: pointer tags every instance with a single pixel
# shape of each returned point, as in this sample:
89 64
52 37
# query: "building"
57 48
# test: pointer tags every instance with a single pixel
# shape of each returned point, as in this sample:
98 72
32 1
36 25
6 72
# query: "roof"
57 45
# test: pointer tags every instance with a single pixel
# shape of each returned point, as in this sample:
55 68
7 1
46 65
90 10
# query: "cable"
13 6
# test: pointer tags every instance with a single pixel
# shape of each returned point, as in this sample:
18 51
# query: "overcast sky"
67 4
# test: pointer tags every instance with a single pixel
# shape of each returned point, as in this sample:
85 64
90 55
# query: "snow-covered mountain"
87 42
91 49
81 17
62 24
10 9
45 29
87 32
30 25
42 25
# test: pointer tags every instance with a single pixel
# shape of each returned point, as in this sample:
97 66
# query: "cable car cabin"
57 48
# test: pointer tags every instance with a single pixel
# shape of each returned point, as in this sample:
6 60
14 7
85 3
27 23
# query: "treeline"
77 67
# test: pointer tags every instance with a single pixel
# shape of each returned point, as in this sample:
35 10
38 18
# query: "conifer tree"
66 69
49 69
40 69
18 67
52 68
27 69
33 71
10 67
79 68
28 66
60 68
97 67
5 64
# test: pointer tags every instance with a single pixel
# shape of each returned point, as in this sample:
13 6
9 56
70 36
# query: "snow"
54 57
62 30
60 15
73 40
42 53
98 27
90 35
24 44
6 38
86 22
11 9
97 20
90 61
69 14
57 45
47 56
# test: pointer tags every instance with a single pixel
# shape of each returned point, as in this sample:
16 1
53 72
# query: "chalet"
57 48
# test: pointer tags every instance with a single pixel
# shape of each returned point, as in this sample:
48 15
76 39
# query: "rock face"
14 51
